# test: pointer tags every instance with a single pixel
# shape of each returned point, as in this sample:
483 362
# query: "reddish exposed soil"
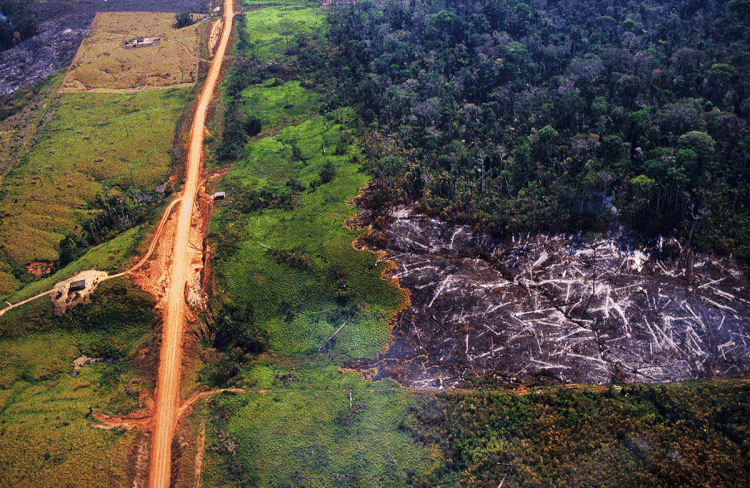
39 268
181 282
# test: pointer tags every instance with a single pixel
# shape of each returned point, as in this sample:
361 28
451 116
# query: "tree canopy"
560 116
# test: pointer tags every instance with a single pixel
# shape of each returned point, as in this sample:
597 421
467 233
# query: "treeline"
238 128
555 115
111 214
18 22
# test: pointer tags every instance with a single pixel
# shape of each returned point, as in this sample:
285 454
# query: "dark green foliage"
295 258
238 129
236 335
114 305
668 436
183 20
236 134
544 115
19 24
327 172
234 328
111 215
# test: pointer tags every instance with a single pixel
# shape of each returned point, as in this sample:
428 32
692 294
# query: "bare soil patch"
63 297
104 62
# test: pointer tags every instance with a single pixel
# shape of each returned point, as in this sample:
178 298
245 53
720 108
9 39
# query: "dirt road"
168 383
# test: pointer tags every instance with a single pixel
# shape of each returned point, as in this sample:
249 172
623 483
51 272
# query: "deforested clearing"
105 61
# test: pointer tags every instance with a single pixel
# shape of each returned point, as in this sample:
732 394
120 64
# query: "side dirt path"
170 359
61 286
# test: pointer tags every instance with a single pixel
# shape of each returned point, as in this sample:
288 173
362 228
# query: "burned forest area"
561 203
553 309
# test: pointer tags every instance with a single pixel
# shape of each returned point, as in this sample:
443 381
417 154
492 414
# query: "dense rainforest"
553 115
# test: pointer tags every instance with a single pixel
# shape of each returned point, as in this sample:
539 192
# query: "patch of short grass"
301 306
94 143
103 63
276 103
271 28
316 426
32 359
48 438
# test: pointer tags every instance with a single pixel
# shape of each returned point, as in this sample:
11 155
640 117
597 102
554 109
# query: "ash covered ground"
557 309
63 24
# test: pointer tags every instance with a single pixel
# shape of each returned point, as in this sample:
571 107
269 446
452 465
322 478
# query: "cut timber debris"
320 349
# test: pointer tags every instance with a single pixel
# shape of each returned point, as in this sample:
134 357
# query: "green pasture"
276 103
316 426
94 143
270 29
48 438
302 305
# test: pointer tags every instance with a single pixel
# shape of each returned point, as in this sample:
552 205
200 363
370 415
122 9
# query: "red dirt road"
170 360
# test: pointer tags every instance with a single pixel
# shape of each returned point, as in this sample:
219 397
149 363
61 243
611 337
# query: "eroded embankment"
559 309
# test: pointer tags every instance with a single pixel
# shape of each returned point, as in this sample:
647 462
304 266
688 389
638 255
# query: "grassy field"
315 427
103 63
48 440
277 104
285 257
94 143
272 28
302 303
48 436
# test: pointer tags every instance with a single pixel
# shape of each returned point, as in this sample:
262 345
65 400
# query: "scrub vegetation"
271 30
308 423
48 438
694 434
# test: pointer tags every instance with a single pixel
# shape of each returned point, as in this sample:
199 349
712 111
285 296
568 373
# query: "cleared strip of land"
168 384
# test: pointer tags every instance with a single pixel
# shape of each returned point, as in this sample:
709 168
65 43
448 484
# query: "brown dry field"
104 65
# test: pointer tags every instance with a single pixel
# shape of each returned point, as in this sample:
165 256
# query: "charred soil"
552 309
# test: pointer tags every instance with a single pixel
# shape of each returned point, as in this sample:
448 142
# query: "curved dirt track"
168 382
141 262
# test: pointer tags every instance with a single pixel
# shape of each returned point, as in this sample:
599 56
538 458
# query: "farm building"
77 286
220 195
142 42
